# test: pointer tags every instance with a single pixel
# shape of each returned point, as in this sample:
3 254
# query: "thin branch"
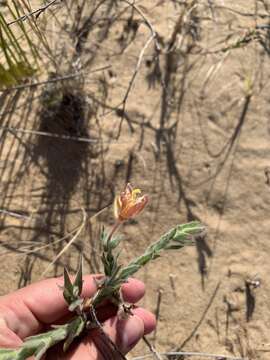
65 248
148 42
36 12
48 134
132 80
187 354
61 78
28 249
157 313
139 62
13 131
25 86
147 22
202 318
111 344
14 214
153 350
211 7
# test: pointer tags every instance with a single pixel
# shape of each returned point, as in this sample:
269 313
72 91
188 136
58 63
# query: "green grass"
19 54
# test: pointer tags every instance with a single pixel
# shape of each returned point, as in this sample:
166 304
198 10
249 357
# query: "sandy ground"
211 166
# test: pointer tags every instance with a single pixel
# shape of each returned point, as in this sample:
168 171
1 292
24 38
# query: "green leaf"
75 304
7 354
115 241
68 288
41 350
185 231
78 282
104 238
174 247
129 270
74 330
72 291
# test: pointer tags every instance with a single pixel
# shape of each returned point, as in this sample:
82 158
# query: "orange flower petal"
129 203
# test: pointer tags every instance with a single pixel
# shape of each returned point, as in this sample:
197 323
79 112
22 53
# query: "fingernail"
131 331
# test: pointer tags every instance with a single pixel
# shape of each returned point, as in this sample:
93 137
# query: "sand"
211 164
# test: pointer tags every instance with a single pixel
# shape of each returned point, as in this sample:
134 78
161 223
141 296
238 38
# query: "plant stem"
113 230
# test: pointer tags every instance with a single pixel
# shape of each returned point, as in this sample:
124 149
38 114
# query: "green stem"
113 230
37 345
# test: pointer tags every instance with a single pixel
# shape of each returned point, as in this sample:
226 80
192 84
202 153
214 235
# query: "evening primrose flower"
129 203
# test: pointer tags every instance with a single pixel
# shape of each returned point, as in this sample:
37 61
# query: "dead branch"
35 13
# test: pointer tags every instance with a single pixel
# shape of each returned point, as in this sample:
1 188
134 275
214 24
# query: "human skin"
33 309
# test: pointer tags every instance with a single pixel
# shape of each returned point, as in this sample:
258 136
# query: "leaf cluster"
175 239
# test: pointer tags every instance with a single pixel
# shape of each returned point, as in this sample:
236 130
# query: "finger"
133 291
28 309
148 318
7 337
125 334
45 299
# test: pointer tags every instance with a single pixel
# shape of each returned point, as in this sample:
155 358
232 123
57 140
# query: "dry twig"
193 354
36 12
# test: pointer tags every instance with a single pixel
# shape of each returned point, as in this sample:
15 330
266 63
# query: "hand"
33 309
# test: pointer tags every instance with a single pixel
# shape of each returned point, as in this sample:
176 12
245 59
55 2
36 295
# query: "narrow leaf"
79 279
68 287
75 304
74 330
